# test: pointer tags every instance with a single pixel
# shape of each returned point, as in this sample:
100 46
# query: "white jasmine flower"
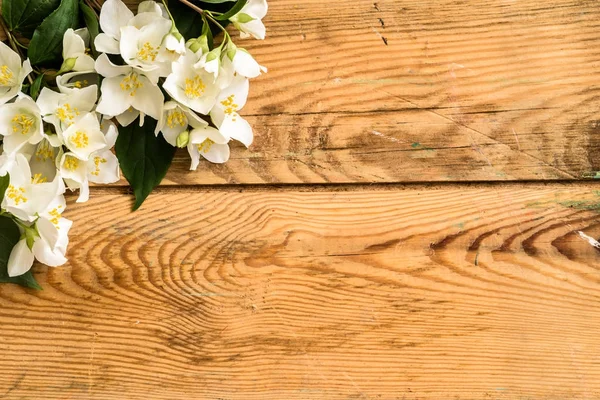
74 171
84 137
101 166
75 44
53 229
210 62
125 86
225 112
64 109
114 14
209 143
43 160
21 259
248 20
174 45
175 119
194 88
49 245
28 195
244 64
12 73
140 47
21 123
72 81
8 160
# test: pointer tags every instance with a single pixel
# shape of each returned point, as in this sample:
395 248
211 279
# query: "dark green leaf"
91 21
36 86
234 10
9 237
188 21
216 1
46 43
24 16
4 182
144 157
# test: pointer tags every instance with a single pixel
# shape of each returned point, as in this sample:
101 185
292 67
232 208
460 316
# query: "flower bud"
214 54
67 65
200 43
231 50
183 139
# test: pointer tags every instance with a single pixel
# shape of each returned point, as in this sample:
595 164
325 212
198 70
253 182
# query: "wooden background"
404 226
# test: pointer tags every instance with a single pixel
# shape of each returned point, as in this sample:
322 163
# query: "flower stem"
13 43
192 6
168 11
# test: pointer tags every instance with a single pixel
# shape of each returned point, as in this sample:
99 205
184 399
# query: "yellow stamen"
38 178
147 52
194 87
44 151
66 114
22 123
16 194
97 162
176 117
230 107
6 76
131 83
71 163
80 139
205 146
55 216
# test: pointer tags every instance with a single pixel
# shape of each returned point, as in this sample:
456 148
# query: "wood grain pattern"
470 292
459 91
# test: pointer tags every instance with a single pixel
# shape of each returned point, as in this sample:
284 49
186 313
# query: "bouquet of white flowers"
79 104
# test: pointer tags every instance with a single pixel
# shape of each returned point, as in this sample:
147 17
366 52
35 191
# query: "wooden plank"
452 292
478 90
427 90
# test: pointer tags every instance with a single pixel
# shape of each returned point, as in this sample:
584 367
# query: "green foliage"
144 157
4 182
9 237
239 4
24 16
188 22
36 86
46 43
91 21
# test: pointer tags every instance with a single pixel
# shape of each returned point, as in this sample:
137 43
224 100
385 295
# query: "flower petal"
113 15
113 101
20 259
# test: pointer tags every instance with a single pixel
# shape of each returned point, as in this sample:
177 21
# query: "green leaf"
24 16
4 182
46 43
188 22
36 86
91 21
232 11
9 237
216 1
144 157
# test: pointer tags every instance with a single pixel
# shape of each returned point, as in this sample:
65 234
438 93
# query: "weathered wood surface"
404 293
473 90
319 291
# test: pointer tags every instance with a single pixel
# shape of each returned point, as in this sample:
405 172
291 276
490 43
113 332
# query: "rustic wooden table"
404 226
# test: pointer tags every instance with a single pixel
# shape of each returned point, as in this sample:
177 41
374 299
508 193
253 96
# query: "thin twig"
13 44
192 6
